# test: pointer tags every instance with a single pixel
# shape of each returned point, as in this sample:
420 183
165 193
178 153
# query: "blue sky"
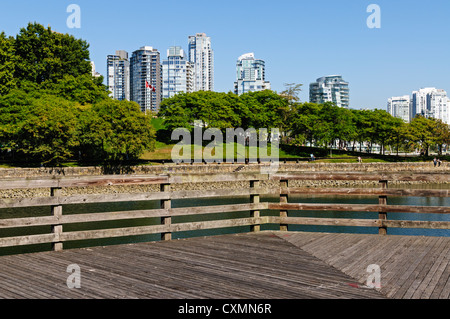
299 40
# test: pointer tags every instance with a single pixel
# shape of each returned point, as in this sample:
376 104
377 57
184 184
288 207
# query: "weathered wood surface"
111 180
127 197
369 176
411 266
82 181
362 208
260 265
58 219
264 265
366 192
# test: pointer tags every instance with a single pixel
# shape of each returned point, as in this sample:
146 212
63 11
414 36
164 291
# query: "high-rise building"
94 73
201 56
145 78
250 75
176 73
431 102
118 75
399 106
330 88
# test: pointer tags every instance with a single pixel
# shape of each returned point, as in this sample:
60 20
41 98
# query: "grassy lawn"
164 151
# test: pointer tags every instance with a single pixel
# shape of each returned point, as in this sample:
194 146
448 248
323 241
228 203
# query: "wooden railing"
57 219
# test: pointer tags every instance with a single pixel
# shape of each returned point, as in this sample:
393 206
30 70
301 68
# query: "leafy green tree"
83 89
7 64
442 134
399 137
303 122
39 129
115 131
421 132
44 55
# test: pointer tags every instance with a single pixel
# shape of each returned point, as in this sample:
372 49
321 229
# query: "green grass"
164 151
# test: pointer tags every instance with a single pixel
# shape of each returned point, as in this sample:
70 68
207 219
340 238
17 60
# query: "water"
125 206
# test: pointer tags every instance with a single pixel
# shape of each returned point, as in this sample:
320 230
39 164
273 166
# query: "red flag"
148 86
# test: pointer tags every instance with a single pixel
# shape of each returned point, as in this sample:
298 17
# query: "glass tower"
250 75
145 78
330 88
201 56
118 73
399 106
176 73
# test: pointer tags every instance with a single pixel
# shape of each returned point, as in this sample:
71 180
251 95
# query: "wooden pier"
264 265
258 264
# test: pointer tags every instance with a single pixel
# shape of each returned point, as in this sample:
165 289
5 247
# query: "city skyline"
374 61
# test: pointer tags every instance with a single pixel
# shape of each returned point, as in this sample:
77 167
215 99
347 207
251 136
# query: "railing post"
166 204
57 229
382 215
255 199
284 200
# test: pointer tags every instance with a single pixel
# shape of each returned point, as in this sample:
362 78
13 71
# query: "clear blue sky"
299 40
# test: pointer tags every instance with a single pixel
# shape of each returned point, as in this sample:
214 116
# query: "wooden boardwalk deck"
264 265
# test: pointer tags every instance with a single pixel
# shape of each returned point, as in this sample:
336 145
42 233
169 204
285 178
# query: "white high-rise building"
399 106
431 102
201 56
118 75
250 75
330 88
176 73
145 78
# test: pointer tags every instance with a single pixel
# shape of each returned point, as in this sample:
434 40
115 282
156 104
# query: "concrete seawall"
202 168
223 168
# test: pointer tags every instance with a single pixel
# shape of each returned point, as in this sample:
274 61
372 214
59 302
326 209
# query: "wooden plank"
82 181
255 199
28 240
382 213
133 214
110 180
126 197
436 268
367 192
57 212
362 208
325 221
415 224
144 230
366 176
284 199
206 178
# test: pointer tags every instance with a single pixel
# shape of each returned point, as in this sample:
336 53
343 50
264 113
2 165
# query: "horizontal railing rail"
165 194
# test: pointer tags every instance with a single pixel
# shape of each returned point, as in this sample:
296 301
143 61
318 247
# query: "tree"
39 129
441 133
7 64
115 131
83 89
303 122
44 55
421 132
291 92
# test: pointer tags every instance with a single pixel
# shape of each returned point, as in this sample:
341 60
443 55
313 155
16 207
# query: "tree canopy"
316 124
53 110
